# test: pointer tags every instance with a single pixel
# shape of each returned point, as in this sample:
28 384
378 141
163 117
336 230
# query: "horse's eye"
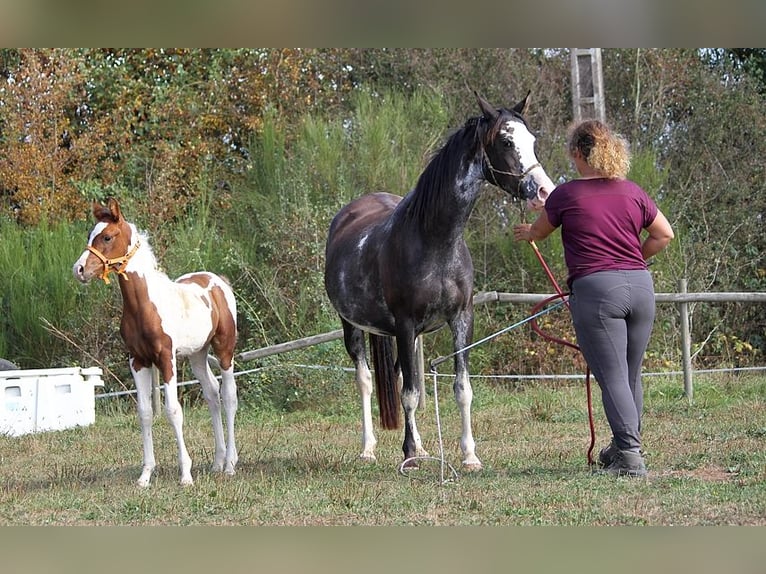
508 143
107 238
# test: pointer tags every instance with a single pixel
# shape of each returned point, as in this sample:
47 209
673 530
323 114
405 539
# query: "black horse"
398 267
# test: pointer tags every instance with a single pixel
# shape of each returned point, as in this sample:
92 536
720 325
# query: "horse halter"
110 265
493 170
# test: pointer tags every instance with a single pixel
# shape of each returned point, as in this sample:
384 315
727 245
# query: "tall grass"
38 290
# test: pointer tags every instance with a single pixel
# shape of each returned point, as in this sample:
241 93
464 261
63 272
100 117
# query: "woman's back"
601 221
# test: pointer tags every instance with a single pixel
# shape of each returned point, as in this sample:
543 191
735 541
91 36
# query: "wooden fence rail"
681 299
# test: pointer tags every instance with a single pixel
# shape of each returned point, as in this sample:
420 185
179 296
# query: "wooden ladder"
587 84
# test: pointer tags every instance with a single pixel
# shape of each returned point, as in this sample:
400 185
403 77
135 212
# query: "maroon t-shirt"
601 222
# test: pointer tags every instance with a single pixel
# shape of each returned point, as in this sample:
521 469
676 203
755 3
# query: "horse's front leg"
143 380
462 335
413 446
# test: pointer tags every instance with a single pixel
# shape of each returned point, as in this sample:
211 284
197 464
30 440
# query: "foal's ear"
521 107
489 112
108 212
114 209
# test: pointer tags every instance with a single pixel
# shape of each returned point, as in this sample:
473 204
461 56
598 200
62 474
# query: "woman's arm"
660 234
540 229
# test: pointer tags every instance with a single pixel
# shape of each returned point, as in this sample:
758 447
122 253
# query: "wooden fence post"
686 342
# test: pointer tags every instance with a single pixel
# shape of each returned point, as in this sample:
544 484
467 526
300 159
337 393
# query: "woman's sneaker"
607 454
626 463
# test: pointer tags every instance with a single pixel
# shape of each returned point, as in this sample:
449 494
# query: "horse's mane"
144 257
441 172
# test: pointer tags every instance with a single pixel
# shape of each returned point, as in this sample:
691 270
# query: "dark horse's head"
508 149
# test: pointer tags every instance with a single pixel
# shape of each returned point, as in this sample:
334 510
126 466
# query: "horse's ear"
114 209
486 108
100 212
521 107
108 212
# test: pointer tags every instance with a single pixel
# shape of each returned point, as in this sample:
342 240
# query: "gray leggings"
613 315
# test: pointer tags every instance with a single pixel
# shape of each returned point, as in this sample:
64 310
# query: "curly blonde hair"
606 152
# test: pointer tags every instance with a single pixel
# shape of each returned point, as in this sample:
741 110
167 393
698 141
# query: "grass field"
706 460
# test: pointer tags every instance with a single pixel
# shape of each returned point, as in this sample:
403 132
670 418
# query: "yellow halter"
109 264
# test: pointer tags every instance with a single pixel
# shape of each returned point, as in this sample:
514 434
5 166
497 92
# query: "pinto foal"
162 318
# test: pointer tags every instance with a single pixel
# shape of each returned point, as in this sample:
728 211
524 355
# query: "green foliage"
293 190
40 293
235 161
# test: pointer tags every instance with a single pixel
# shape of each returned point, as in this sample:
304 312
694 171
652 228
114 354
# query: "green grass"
707 463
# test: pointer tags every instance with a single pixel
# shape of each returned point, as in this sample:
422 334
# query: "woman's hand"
522 232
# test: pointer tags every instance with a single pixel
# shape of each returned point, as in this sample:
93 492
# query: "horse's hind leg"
143 380
230 404
354 341
462 333
224 458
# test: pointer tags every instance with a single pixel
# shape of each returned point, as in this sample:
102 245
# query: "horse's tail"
386 383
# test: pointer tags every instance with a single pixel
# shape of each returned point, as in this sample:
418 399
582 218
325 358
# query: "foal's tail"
386 384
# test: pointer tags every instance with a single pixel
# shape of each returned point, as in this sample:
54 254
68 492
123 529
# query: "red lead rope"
563 296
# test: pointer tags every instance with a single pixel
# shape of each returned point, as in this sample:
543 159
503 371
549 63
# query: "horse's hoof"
472 466
410 464
187 482
143 480
367 457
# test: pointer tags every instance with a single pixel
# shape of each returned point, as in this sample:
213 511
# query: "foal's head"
111 244
509 154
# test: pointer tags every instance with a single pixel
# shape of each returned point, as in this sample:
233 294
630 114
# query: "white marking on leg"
364 384
410 402
230 405
175 416
464 398
211 392
143 380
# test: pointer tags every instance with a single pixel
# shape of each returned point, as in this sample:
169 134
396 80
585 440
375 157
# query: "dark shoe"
626 463
607 454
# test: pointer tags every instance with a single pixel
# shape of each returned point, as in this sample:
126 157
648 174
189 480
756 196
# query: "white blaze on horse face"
79 265
524 142
100 226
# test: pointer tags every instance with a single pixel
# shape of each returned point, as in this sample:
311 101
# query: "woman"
602 215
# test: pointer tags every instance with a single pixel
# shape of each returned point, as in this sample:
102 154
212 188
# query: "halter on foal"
398 267
160 319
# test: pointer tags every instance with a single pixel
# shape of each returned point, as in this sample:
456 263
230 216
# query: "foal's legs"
354 341
143 380
225 458
230 404
462 334
175 415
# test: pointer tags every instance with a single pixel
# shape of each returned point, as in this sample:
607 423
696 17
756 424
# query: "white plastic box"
47 399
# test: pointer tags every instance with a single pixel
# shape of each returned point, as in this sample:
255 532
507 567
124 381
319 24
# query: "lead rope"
563 296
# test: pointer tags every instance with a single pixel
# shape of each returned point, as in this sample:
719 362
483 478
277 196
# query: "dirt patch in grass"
706 473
